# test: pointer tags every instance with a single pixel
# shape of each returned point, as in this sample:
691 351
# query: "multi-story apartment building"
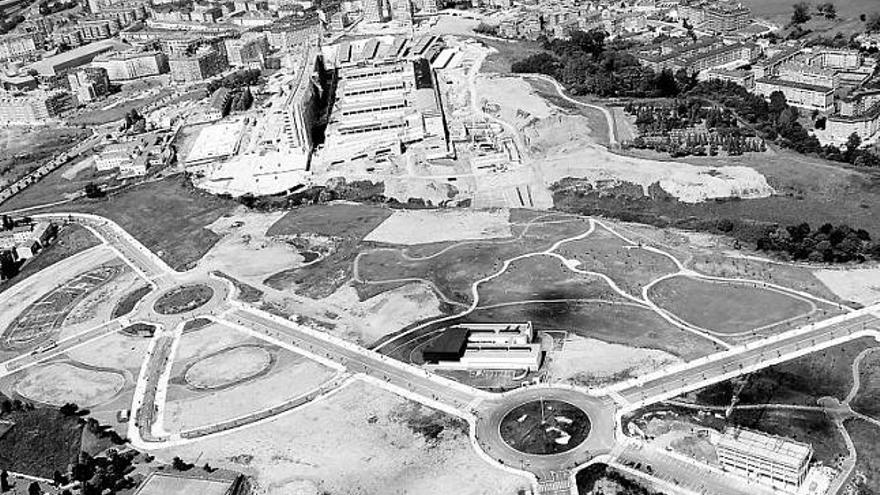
774 461
123 66
808 74
808 96
88 84
32 108
696 56
727 17
207 62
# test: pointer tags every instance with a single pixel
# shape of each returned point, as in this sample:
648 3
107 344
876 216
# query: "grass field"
618 324
168 216
457 268
23 148
793 277
867 401
346 225
630 268
71 239
55 187
807 190
542 278
866 438
780 10
507 52
725 307
801 381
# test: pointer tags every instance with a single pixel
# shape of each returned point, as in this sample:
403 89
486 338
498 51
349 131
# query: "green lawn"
169 216
725 307
866 438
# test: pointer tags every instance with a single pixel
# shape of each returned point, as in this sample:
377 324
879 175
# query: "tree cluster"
584 63
777 121
50 7
240 79
487 29
8 24
134 123
691 126
828 244
102 474
827 9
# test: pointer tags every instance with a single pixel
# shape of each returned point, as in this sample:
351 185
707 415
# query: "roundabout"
544 427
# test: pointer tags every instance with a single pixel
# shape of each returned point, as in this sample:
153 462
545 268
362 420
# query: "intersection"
484 411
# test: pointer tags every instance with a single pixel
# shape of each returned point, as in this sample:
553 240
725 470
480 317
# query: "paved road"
357 359
62 346
485 410
735 363
600 410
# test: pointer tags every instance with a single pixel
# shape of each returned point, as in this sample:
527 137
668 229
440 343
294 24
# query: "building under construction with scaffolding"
386 101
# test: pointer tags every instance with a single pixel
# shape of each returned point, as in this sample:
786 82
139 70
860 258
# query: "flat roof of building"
796 85
85 52
781 450
215 141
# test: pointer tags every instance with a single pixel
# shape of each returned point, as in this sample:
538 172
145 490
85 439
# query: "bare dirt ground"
244 251
426 226
218 354
229 366
60 383
561 146
861 285
591 362
385 313
361 440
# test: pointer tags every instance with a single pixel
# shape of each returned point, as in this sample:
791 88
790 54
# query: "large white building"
122 66
770 460
494 346
809 96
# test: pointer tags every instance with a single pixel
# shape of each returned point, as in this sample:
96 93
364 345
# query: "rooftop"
781 450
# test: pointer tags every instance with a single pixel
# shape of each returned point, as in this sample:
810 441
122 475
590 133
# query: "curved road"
481 409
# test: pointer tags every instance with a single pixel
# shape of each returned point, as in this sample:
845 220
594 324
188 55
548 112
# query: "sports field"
169 484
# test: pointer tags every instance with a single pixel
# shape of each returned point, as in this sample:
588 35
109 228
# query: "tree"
70 408
852 146
4 481
34 489
801 13
778 103
93 190
828 10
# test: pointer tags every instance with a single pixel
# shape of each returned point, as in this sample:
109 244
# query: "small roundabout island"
183 299
545 427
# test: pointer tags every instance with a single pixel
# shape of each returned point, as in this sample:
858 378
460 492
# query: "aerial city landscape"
428 247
